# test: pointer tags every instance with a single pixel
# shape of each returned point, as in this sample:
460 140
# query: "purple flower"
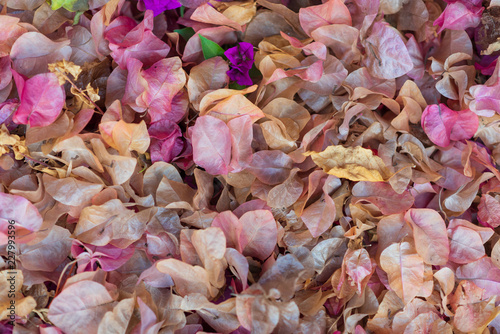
241 55
241 76
158 6
241 59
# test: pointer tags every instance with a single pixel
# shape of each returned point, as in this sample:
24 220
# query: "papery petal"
466 125
33 51
489 210
166 140
405 270
149 50
18 211
42 99
386 54
259 234
483 273
89 299
429 231
441 124
330 12
437 122
211 145
456 16
486 100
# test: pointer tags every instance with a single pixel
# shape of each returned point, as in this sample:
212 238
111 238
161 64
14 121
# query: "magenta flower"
241 55
240 76
241 61
158 6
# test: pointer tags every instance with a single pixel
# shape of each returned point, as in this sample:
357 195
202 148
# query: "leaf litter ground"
185 166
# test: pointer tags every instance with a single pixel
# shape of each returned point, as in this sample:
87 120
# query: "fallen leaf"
353 163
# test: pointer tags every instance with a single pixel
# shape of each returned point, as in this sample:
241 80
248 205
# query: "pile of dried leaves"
269 166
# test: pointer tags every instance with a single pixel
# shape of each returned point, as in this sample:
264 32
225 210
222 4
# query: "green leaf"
234 85
254 72
185 33
210 48
70 5
183 9
77 18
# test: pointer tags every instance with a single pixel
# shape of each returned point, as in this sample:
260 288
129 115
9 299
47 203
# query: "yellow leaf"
493 47
92 93
12 142
352 163
109 10
59 173
62 68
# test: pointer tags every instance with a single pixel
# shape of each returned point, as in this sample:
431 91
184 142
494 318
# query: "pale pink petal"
358 266
240 263
80 307
149 50
489 210
33 51
241 142
383 196
164 79
149 322
429 231
259 235
465 126
331 12
271 166
231 226
342 39
386 54
465 245
486 100
457 16
19 212
211 145
482 273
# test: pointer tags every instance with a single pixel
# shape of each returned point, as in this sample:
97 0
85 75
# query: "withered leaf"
353 163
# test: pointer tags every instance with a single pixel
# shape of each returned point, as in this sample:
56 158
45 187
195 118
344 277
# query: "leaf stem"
62 273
